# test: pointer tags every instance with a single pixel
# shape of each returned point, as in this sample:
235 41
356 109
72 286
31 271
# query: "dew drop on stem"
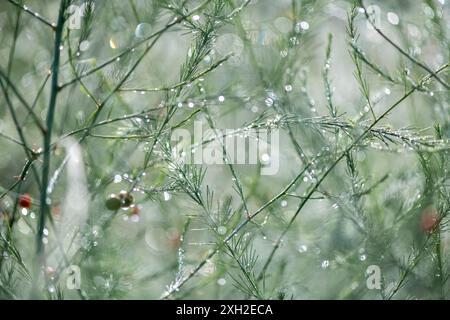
142 30
167 196
393 18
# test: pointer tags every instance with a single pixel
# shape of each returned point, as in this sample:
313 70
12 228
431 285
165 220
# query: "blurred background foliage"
291 59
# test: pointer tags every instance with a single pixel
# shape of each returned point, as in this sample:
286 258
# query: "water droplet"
222 230
221 98
112 43
294 41
288 88
284 203
195 17
393 18
300 26
117 178
387 91
167 196
84 45
265 157
142 30
362 257
325 264
302 248
268 102
221 281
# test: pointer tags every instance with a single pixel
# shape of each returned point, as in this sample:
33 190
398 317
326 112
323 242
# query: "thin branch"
403 52
34 14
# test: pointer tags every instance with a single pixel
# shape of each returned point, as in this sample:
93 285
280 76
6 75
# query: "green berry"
113 202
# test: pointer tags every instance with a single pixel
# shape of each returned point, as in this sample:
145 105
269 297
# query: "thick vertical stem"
48 133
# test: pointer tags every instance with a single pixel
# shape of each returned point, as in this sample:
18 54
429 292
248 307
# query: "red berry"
56 211
429 221
50 271
25 201
174 239
135 210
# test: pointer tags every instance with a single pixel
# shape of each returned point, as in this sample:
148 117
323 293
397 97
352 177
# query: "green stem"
48 133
